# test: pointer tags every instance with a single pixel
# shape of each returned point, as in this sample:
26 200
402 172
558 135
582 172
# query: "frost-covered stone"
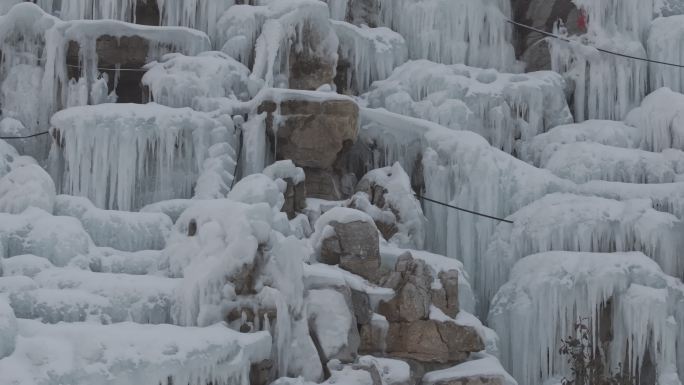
397 213
348 238
660 120
59 239
333 325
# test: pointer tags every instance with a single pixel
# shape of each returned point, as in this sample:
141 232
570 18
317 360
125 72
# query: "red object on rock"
582 20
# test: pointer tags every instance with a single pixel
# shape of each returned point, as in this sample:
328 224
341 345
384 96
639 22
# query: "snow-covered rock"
193 81
579 223
631 307
502 107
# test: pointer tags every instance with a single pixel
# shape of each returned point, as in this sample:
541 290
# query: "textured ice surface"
582 162
83 353
193 81
502 107
625 294
127 231
27 185
142 299
450 32
579 223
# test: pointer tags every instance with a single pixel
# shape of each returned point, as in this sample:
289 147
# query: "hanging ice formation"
370 53
35 47
461 31
271 36
504 108
608 86
629 304
123 156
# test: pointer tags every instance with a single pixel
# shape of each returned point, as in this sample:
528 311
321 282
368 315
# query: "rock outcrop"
354 246
529 46
315 131
416 331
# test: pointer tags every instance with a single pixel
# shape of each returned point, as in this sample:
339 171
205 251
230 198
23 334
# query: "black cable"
24 137
462 209
552 35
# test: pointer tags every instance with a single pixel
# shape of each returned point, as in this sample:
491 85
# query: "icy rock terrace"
233 192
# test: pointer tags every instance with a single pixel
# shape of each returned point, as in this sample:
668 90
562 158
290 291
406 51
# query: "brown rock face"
315 135
355 246
127 52
446 298
295 198
411 280
432 341
541 14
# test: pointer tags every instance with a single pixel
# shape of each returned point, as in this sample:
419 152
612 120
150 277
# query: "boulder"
373 335
446 297
529 46
432 341
295 198
315 131
411 280
355 247
332 324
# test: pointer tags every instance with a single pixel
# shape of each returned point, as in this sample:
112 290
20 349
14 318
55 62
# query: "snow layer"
501 107
27 185
582 162
141 299
539 149
135 154
580 223
625 292
82 353
449 32
27 265
660 119
193 81
331 320
121 230
482 365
